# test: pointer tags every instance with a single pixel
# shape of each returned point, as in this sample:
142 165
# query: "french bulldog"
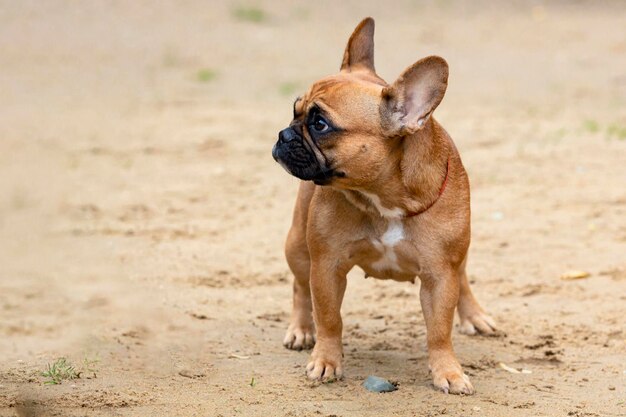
383 188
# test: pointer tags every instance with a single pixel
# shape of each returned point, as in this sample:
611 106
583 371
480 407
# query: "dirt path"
142 217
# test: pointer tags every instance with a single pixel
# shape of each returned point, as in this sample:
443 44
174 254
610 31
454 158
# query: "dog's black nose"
287 135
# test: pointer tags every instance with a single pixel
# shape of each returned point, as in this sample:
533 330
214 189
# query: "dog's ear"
408 103
359 53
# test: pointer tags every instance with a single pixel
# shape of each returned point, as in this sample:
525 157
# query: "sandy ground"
142 217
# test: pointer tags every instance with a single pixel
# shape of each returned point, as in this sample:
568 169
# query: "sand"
142 218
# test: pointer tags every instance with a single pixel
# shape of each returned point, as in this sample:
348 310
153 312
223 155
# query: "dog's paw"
321 370
299 337
477 323
449 378
453 383
324 366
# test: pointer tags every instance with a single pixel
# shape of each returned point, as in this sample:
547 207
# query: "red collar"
441 190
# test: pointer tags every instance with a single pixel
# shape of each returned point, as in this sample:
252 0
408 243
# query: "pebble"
191 374
377 384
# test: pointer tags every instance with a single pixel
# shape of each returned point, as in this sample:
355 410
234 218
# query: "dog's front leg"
301 331
328 284
439 295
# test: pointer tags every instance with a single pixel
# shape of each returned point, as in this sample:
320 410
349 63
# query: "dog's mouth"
326 177
320 175
303 159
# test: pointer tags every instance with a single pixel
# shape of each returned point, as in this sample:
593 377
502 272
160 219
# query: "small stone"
574 275
611 388
377 384
187 373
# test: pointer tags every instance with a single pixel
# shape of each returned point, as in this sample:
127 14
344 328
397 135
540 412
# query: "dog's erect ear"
408 103
359 53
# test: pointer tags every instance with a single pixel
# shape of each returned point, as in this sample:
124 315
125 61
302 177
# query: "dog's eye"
319 124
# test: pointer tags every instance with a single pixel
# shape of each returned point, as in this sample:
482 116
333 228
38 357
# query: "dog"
383 188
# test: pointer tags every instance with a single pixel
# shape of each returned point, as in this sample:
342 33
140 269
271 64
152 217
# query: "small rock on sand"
377 384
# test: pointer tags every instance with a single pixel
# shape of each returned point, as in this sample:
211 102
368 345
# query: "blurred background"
142 217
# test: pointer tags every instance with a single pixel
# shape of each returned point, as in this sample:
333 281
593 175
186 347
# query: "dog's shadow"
395 365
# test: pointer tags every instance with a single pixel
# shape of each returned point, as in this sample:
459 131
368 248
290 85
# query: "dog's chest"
385 255
386 244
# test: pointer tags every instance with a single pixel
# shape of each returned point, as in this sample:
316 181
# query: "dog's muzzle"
300 157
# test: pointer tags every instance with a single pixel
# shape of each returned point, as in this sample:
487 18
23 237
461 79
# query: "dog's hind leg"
301 332
473 318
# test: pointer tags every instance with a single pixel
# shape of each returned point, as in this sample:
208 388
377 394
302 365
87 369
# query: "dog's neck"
413 178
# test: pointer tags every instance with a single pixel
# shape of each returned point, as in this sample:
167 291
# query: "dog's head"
346 126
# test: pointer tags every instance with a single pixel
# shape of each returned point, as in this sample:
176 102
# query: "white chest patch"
386 244
393 213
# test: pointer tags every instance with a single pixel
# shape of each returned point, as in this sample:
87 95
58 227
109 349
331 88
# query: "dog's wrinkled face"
346 126
335 131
